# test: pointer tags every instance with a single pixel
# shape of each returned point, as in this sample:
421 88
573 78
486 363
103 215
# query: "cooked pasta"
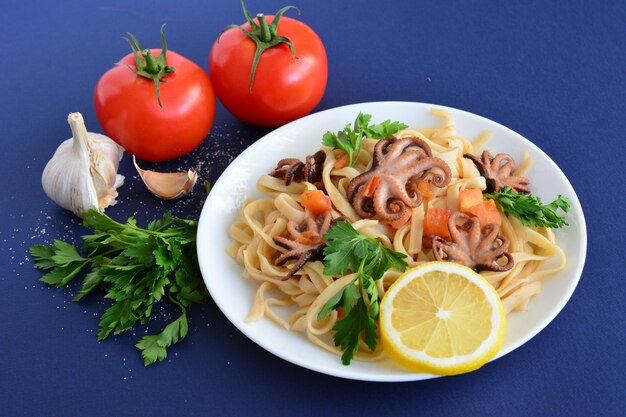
295 303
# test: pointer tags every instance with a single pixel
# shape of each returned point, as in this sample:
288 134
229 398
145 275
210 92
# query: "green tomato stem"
147 65
266 34
151 65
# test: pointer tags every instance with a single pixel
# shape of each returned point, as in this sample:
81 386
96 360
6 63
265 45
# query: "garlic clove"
167 185
82 173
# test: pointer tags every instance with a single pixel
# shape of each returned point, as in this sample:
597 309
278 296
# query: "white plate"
234 294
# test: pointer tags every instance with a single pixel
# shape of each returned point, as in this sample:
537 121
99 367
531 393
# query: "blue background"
554 71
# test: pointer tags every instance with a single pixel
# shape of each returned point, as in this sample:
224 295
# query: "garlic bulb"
167 185
82 173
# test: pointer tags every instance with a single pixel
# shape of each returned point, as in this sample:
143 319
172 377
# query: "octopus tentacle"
474 233
491 233
405 162
314 166
422 145
301 260
293 229
455 232
363 205
392 208
446 251
496 267
502 268
380 152
400 192
497 164
326 221
357 182
502 248
400 147
292 171
438 180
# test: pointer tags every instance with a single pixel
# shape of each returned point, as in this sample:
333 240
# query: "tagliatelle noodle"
295 303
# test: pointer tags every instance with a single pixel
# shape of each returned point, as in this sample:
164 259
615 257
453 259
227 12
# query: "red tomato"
487 212
127 108
436 222
284 88
469 198
316 202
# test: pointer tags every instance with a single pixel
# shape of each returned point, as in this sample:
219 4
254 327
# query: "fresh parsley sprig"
349 251
529 209
350 139
137 267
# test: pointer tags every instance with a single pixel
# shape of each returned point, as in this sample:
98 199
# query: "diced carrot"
487 213
436 222
469 198
423 186
370 187
316 202
342 160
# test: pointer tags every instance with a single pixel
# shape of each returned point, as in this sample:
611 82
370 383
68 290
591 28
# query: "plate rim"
409 376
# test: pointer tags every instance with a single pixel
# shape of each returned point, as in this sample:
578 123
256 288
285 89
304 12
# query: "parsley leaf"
137 267
349 251
350 139
161 223
90 282
61 259
383 130
154 347
349 329
42 254
344 298
529 209
344 249
347 140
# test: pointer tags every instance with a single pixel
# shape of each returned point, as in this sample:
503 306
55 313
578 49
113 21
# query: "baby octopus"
498 171
306 242
397 166
292 169
479 249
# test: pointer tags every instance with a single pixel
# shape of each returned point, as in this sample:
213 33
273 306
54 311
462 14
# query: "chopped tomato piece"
436 222
371 186
342 160
316 202
487 213
423 186
469 198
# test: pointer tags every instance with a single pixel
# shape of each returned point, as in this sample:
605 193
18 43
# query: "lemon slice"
442 318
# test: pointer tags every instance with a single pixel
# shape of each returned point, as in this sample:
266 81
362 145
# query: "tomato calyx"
264 35
147 65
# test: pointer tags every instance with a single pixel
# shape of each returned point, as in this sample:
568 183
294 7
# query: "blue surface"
553 71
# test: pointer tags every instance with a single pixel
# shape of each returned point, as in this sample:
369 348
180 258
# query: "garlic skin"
82 173
167 185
